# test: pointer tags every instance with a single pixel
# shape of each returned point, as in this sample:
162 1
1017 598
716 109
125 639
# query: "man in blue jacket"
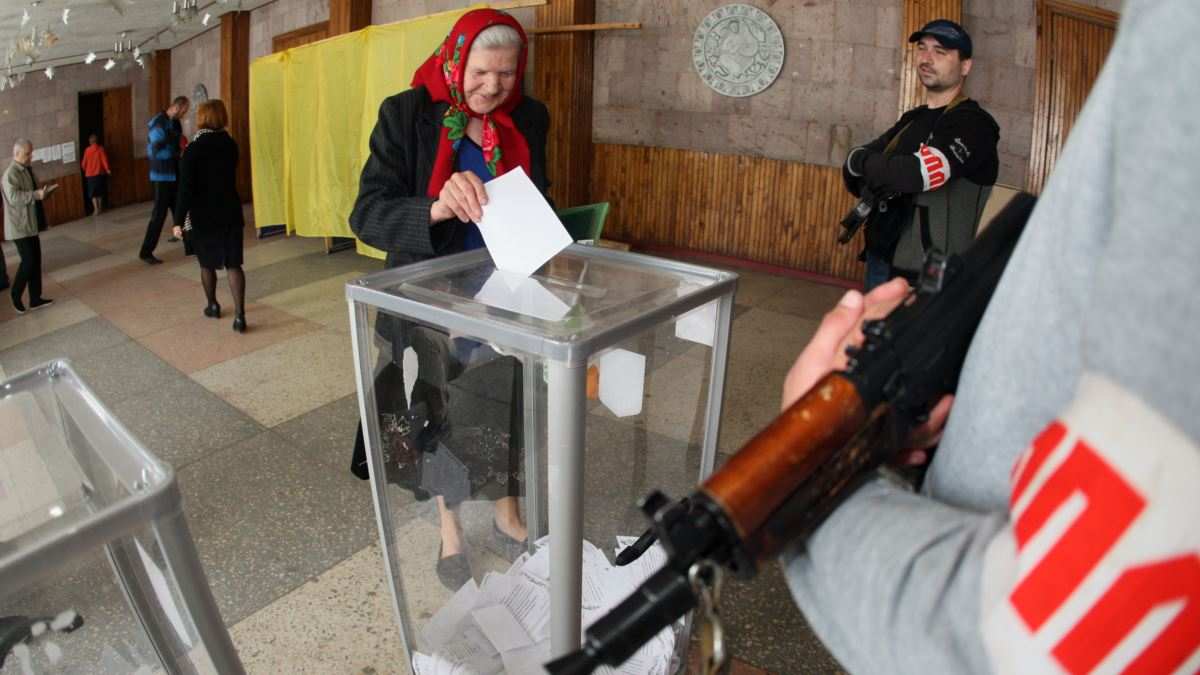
163 151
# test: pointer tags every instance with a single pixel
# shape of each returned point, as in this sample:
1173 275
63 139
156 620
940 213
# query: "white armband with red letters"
935 169
1099 569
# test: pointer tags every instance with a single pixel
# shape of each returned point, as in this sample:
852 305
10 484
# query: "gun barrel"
662 599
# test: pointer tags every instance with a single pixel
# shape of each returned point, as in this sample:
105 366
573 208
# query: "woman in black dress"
210 209
464 121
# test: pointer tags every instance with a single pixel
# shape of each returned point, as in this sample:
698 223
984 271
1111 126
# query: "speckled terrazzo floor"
259 428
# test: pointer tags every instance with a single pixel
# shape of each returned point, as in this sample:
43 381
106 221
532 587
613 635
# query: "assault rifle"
787 479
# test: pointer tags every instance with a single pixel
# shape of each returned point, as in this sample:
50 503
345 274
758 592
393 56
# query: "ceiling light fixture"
91 56
184 11
29 47
125 54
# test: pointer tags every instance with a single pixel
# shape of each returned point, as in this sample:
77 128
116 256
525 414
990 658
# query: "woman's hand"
461 197
177 231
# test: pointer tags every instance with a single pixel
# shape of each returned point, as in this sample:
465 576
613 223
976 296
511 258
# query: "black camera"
859 214
869 202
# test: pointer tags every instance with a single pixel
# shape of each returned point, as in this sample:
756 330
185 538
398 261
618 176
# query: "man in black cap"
928 177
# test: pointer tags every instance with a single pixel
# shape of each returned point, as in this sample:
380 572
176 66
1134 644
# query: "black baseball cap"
948 34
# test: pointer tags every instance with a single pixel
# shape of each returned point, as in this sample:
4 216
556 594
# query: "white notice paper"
68 152
56 153
518 226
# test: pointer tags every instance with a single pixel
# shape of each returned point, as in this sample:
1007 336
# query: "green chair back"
584 223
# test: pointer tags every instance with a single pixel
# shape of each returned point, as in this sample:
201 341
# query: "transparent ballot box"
98 573
512 424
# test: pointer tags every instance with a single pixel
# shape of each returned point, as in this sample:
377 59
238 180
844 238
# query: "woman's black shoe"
213 311
507 546
453 570
239 323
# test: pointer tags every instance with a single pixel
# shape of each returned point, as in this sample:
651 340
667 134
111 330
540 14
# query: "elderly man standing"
163 149
929 176
21 195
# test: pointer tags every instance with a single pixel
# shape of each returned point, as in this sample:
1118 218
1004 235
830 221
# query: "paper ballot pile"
503 624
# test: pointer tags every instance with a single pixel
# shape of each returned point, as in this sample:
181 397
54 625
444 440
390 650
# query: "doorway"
91 121
109 115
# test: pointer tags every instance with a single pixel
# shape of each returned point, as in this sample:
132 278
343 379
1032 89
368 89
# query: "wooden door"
300 36
1073 42
118 143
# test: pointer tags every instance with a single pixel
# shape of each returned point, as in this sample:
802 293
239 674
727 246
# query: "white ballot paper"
521 294
501 628
503 625
518 225
444 625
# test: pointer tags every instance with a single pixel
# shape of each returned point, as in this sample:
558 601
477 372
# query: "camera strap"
891 146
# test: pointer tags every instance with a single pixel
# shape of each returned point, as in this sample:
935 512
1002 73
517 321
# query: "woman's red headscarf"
442 75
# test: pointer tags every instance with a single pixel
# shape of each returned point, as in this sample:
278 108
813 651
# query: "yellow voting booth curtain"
312 109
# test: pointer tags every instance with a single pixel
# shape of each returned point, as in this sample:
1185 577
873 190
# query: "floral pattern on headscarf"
442 75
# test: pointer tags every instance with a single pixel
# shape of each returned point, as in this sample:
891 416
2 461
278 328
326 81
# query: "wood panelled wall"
348 15
1073 42
765 210
66 204
160 81
235 90
917 13
563 81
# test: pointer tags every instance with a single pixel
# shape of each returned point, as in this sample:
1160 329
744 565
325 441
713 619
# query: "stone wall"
197 61
47 111
839 85
388 11
282 16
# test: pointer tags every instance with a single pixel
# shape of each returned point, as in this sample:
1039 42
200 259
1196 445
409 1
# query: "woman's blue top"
470 158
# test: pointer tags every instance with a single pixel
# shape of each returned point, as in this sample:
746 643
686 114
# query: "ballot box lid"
71 475
583 300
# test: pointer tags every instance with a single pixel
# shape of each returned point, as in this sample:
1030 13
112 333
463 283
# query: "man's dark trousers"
164 198
29 273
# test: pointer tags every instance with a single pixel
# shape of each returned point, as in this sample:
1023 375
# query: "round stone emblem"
738 50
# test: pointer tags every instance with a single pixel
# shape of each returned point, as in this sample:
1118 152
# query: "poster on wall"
56 153
68 152
738 50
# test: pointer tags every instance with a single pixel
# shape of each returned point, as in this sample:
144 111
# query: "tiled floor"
259 428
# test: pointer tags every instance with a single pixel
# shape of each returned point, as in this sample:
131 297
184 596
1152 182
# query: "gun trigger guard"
706 579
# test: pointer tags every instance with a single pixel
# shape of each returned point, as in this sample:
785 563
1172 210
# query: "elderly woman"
208 201
464 121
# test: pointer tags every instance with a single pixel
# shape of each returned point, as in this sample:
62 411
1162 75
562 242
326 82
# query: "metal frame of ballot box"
109 488
564 355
